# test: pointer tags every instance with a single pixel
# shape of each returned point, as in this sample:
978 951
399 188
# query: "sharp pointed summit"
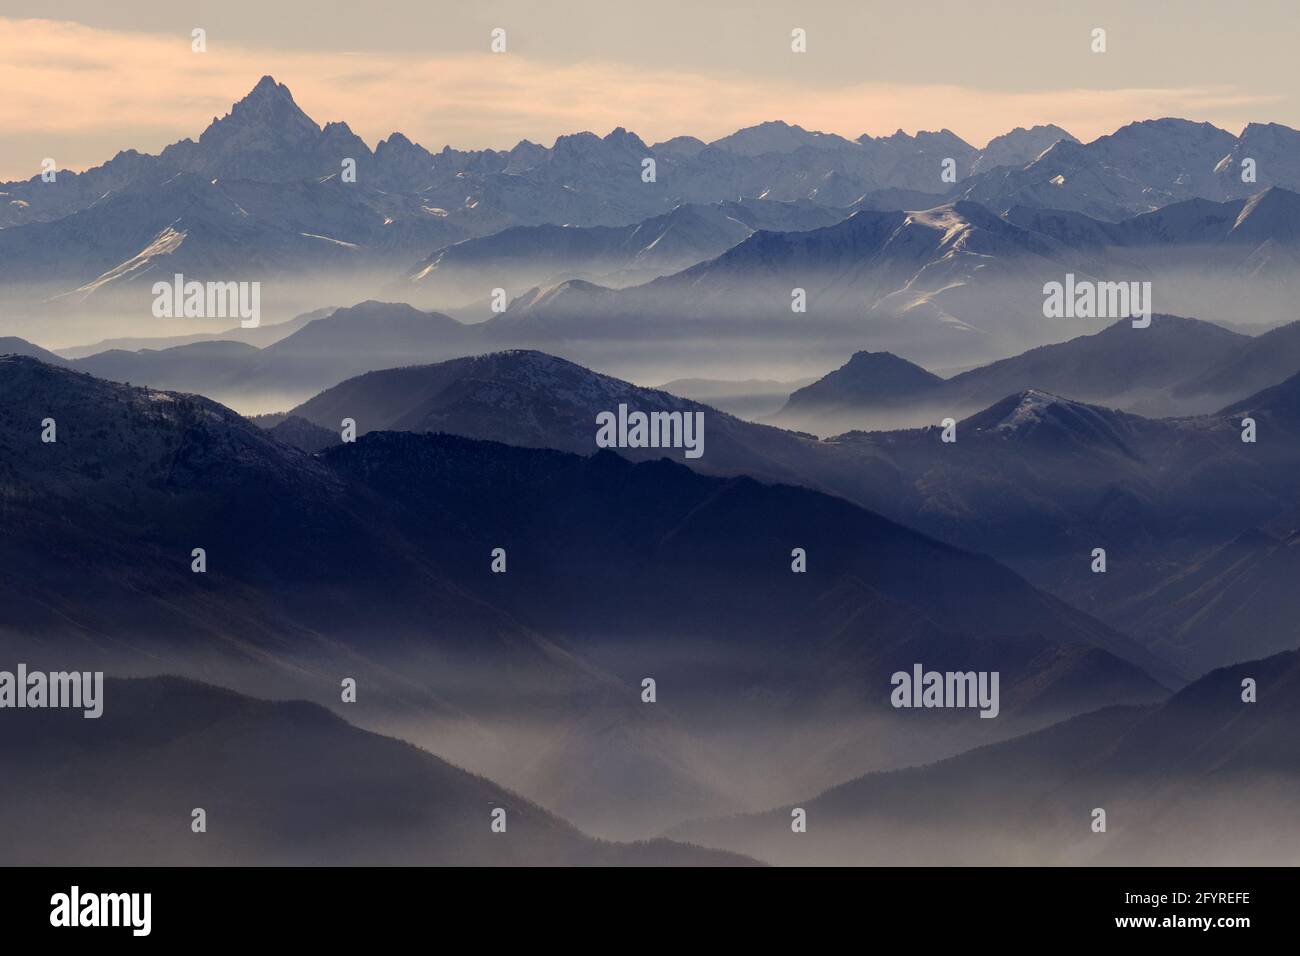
267 137
268 109
267 86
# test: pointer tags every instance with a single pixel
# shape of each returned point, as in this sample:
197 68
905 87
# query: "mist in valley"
368 586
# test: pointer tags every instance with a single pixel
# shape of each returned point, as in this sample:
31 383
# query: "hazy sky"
93 77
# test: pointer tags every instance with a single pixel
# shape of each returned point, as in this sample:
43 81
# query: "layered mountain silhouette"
266 138
598 589
280 783
532 399
848 273
1203 778
99 549
1176 366
869 382
374 560
409 195
263 500
947 273
1225 600
261 336
1164 369
752 398
1157 494
955 283
1102 512
1138 168
524 257
309 356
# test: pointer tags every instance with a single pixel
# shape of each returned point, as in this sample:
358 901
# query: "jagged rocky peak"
268 109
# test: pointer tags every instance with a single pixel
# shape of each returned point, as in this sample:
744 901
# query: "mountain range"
1175 366
520 258
261 195
1142 167
1203 762
373 560
642 655
583 179
1160 495
1152 490
281 783
146 474
954 284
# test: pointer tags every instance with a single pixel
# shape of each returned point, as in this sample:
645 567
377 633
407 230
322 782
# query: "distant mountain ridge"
954 282
374 559
266 193
1157 494
1139 167
195 433
521 257
266 137
868 380
1160 370
650 652
171 450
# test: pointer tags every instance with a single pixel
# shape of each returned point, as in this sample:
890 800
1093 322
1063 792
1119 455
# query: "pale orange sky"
90 81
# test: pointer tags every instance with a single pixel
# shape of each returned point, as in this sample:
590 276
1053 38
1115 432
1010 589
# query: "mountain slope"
218 230
1037 480
373 559
263 335
282 783
1142 370
191 471
1263 361
867 382
261 194
102 523
942 281
679 539
536 400
12 345
1018 147
951 284
1139 167
320 352
1161 773
522 257
1040 482
1227 600
1120 365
